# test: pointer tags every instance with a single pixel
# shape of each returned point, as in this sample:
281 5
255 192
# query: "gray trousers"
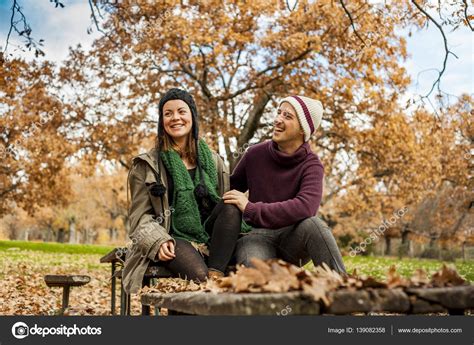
310 239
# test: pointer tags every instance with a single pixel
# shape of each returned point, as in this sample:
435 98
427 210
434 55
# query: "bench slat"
66 280
206 303
343 302
113 256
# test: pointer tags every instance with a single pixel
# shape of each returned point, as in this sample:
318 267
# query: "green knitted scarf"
186 220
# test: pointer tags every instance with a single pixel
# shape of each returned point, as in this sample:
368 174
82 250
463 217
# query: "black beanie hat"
174 94
184 96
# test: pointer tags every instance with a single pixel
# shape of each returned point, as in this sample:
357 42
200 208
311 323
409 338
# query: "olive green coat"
149 218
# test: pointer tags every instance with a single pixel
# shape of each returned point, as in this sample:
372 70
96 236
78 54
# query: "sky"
64 27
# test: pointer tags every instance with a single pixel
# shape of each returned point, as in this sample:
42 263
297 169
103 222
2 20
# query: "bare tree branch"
468 21
260 101
446 49
94 18
12 24
249 86
25 31
294 6
352 21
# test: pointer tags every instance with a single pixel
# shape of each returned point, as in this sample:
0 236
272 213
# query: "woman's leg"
188 263
224 227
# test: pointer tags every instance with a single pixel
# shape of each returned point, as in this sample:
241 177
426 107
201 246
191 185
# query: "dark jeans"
223 226
310 239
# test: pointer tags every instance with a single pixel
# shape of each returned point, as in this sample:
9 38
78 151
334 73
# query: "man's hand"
236 198
166 251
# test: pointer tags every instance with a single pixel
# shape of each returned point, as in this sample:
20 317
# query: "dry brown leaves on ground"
280 276
24 292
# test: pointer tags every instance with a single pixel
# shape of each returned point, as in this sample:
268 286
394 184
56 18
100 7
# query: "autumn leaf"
447 276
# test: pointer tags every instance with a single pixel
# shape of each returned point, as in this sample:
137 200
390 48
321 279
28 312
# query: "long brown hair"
166 143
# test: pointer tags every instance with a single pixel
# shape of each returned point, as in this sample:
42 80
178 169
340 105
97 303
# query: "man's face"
287 127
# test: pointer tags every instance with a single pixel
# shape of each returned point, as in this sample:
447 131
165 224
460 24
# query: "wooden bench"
451 300
116 258
66 282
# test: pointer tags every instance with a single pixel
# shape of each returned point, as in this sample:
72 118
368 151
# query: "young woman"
176 211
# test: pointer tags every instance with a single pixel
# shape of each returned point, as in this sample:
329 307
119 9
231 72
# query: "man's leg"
258 243
311 239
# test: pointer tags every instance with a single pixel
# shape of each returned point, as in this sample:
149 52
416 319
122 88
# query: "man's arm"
284 213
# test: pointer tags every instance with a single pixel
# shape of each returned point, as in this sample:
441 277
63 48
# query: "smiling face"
177 119
287 128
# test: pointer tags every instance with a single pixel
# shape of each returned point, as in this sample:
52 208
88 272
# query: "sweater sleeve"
284 213
238 179
145 232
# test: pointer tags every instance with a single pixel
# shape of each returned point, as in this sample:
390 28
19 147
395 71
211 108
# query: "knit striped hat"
309 111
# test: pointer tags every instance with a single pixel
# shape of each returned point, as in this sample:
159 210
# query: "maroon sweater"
283 189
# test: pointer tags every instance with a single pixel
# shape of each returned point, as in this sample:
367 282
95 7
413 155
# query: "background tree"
33 143
238 60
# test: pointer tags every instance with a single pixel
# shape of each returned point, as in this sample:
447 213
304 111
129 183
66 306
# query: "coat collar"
149 157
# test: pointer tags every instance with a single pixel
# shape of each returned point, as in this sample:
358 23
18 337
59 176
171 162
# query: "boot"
214 274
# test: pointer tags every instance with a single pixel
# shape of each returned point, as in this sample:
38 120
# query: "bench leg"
125 304
146 308
129 304
123 300
174 312
65 303
112 303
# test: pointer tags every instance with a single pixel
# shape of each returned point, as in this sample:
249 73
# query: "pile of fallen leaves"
24 292
280 276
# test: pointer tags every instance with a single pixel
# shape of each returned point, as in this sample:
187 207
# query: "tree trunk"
432 241
433 246
49 234
79 237
113 234
86 236
404 247
13 232
388 245
251 125
60 236
72 231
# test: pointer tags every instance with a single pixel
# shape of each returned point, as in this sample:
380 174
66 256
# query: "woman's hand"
166 251
236 198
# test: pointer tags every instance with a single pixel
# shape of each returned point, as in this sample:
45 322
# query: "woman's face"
177 119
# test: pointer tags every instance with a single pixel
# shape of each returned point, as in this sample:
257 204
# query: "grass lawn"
53 247
378 266
370 265
24 264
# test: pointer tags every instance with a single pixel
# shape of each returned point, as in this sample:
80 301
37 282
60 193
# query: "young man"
285 183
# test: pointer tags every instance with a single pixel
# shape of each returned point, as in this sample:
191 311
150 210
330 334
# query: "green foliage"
50 247
378 266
